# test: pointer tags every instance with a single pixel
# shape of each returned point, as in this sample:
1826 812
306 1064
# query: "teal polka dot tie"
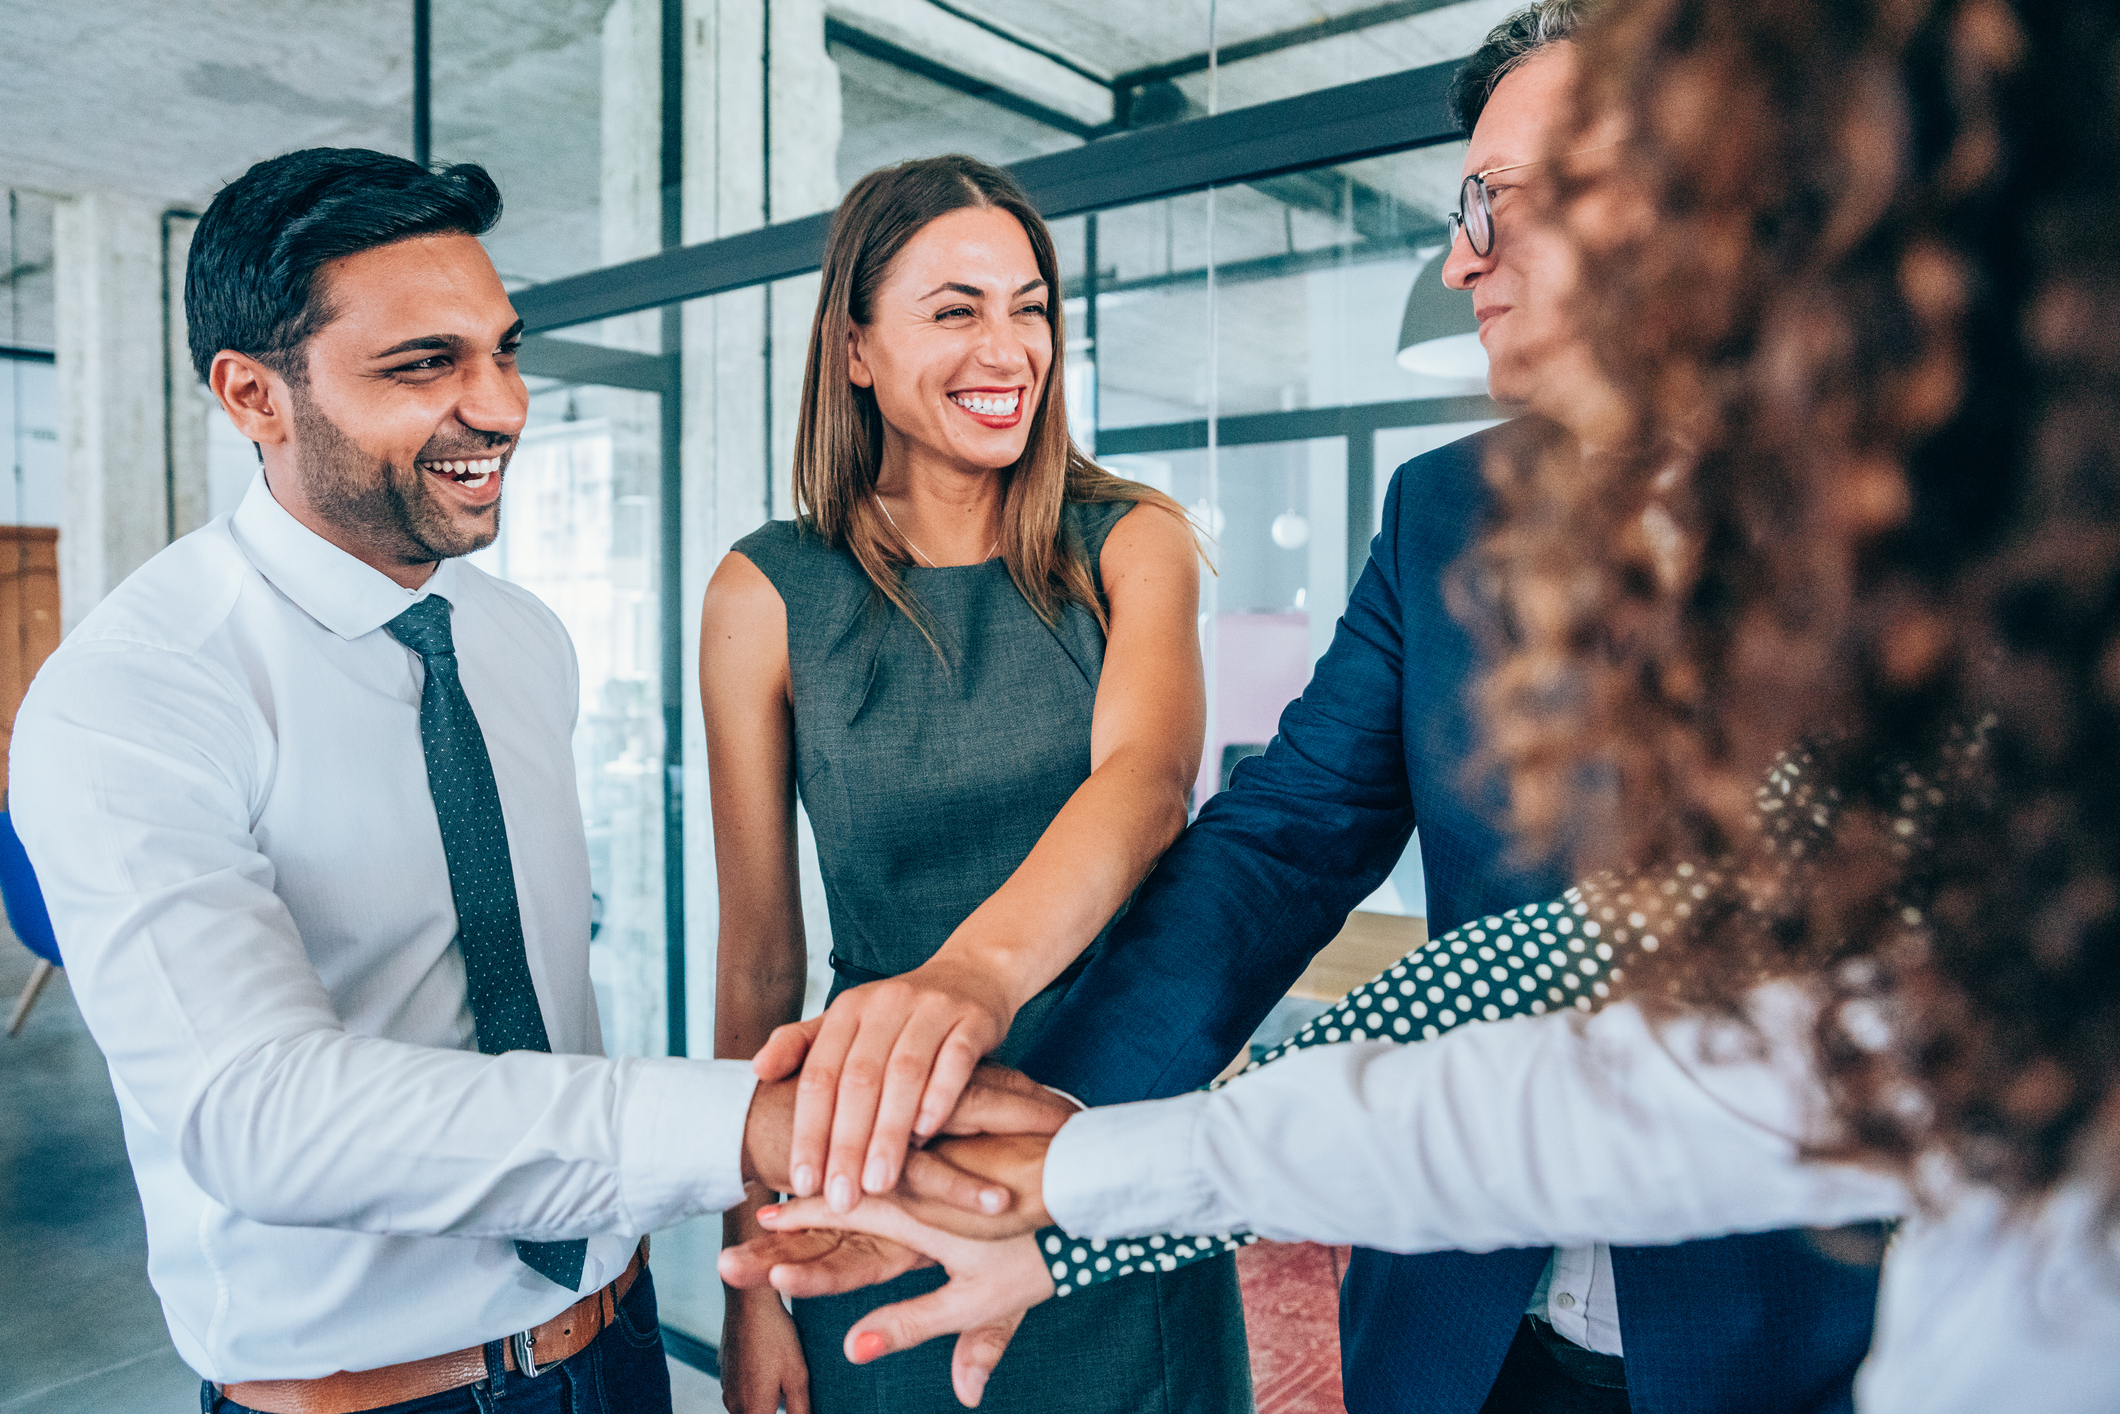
481 878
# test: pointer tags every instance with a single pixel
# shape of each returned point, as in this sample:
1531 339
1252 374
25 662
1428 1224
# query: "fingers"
1015 1162
990 1109
978 1227
996 1076
887 1218
783 1051
905 1324
946 1078
749 1265
935 1179
860 1087
816 1093
978 1352
912 1057
877 1216
991 1285
856 1261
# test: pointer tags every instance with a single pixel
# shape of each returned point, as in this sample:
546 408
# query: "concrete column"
630 198
761 125
132 425
107 257
628 961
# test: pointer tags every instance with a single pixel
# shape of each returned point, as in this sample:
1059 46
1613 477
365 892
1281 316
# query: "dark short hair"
250 282
1508 45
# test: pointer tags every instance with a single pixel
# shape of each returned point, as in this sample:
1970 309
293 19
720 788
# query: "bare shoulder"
743 621
1150 544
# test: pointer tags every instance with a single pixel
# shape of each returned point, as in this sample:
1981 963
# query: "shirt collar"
338 591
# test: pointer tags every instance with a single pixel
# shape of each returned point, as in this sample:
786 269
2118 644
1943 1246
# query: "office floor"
85 1332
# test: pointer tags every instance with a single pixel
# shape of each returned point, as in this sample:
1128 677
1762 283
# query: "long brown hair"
1871 501
839 436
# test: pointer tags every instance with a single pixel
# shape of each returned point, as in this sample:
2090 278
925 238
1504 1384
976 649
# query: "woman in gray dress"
973 658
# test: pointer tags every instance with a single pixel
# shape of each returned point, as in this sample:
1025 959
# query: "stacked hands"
951 1150
928 1156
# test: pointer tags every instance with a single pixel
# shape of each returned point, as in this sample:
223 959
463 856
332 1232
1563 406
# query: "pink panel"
1262 663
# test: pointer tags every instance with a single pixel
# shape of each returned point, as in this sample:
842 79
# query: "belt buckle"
525 1342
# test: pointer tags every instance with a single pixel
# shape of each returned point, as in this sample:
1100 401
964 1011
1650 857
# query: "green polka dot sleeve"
1526 962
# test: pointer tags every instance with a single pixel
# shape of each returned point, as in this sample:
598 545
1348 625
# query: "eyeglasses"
1475 209
1475 212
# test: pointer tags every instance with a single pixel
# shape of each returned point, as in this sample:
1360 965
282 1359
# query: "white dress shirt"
220 782
1563 1130
1576 1296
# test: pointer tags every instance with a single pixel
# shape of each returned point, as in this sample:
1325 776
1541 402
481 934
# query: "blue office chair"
26 914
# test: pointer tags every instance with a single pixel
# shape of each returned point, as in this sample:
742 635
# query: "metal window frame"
1369 118
1372 117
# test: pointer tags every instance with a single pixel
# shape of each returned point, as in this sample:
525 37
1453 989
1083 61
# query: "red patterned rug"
1292 1311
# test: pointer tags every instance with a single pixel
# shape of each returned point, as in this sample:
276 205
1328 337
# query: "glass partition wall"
1247 216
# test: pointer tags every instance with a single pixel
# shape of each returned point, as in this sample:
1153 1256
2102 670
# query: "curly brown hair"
1864 497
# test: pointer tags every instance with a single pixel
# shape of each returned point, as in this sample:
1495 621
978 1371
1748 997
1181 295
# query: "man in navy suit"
1269 871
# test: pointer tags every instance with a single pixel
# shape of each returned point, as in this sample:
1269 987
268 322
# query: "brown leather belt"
355 1391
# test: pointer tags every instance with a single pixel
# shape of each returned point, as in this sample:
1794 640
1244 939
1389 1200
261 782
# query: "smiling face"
1520 287
957 345
395 444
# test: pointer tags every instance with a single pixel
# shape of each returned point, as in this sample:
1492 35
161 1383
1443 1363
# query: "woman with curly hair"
1845 518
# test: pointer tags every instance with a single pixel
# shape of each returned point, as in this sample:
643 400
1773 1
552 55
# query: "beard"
391 508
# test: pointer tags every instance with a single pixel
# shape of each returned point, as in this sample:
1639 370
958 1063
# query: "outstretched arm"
1237 908
887 1061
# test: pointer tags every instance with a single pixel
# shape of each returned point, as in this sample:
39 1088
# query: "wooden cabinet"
29 617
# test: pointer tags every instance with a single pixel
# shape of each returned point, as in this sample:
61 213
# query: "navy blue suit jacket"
1266 876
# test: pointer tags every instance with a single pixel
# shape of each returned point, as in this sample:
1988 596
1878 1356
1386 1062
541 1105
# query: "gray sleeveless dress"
927 785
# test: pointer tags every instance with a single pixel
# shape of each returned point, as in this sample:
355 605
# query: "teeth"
471 472
478 480
987 406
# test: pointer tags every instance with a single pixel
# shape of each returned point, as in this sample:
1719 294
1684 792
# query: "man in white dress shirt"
301 797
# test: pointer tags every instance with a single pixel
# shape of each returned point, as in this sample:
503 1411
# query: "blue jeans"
622 1371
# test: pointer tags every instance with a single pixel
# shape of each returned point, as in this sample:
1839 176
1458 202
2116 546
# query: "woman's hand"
991 1285
882 1068
761 1357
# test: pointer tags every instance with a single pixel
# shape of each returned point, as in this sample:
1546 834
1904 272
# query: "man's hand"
991 1285
817 1262
881 1069
936 1187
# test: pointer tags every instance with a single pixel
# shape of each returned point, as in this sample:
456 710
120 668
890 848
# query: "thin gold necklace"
909 539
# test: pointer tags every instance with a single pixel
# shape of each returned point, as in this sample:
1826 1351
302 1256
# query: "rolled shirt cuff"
1129 1170
682 1139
